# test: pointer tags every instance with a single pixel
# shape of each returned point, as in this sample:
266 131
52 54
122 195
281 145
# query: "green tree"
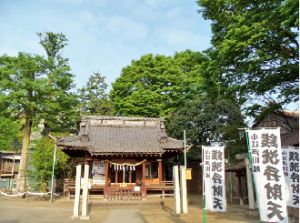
22 82
93 99
58 102
255 48
9 131
207 122
35 89
42 161
155 86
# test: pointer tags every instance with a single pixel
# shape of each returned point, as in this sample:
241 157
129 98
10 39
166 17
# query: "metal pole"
184 145
12 174
251 164
53 166
203 186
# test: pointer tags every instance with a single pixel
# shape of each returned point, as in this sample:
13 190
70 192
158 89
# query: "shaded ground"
31 210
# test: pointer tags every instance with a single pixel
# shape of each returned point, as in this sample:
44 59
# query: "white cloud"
122 27
174 13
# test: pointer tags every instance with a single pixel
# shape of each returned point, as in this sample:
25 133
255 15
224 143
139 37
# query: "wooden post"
240 188
130 176
85 192
144 174
77 191
160 170
117 173
176 190
183 190
106 173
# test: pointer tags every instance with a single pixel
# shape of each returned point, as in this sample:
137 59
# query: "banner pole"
252 169
203 187
230 179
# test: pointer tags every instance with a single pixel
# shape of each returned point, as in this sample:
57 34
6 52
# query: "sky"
103 35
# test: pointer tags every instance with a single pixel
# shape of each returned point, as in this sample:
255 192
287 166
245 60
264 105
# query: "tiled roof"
106 134
290 139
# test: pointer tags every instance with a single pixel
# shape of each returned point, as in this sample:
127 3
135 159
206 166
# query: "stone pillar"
249 184
183 190
77 191
176 190
85 191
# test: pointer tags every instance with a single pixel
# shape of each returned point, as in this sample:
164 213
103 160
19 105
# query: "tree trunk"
21 187
47 128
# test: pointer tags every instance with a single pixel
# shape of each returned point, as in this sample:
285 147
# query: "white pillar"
77 191
176 190
183 190
85 190
249 184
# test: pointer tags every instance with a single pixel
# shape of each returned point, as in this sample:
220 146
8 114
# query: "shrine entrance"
126 175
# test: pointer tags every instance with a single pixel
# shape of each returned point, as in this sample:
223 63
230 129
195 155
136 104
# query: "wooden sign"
188 173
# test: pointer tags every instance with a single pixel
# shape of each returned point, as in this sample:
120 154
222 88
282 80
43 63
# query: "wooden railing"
125 191
128 192
163 187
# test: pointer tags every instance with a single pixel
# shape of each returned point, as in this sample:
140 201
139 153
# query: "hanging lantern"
114 167
133 168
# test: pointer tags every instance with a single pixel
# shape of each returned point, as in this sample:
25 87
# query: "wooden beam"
117 173
106 173
144 174
160 170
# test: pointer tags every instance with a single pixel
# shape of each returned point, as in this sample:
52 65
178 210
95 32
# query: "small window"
147 174
154 170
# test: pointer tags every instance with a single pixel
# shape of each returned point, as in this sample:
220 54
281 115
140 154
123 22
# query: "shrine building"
123 152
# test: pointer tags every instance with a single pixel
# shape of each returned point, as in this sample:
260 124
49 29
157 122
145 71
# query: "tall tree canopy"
255 47
208 121
37 89
58 102
157 85
93 99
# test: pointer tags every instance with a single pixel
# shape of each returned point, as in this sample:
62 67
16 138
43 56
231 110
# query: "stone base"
86 218
181 214
253 212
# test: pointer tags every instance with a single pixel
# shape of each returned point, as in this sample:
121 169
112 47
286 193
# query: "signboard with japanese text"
267 170
214 178
98 173
290 160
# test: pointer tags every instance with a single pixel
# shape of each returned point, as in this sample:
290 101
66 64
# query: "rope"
124 164
17 195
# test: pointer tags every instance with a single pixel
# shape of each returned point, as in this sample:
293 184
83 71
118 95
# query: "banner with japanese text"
267 170
214 178
290 160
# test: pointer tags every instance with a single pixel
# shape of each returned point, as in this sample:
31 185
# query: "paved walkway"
124 216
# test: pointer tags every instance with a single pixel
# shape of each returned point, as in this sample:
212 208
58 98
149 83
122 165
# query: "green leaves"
42 161
256 47
156 85
9 130
206 122
93 99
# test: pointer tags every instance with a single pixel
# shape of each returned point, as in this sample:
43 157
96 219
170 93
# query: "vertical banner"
290 161
267 170
214 178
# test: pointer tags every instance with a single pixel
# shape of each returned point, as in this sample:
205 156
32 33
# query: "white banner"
214 178
266 156
290 160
